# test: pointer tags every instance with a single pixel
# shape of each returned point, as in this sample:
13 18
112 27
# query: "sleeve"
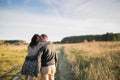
35 57
29 50
39 44
45 43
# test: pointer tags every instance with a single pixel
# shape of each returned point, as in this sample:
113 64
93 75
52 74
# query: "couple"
41 57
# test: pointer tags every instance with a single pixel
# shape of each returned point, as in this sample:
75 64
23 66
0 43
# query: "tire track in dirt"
64 71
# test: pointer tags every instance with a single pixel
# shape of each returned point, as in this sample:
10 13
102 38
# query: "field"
11 59
89 61
80 61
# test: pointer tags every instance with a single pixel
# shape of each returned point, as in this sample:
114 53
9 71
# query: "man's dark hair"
44 36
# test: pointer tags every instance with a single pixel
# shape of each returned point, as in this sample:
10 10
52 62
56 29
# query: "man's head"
44 37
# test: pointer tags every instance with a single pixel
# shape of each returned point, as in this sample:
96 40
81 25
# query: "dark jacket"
47 55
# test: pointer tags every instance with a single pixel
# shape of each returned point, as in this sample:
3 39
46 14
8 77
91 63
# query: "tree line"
14 42
89 38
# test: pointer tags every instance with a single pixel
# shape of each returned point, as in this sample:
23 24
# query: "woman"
30 68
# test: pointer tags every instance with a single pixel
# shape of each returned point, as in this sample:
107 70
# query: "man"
48 58
48 61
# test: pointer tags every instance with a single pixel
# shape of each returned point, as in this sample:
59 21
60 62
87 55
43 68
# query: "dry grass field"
80 61
90 61
11 60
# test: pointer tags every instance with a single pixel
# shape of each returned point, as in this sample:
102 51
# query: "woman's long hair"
33 41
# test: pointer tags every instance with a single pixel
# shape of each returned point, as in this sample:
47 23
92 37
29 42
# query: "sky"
21 19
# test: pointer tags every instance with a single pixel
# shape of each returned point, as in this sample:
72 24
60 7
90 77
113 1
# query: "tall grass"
11 60
94 61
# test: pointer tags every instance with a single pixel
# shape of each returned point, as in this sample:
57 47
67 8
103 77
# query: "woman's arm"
34 57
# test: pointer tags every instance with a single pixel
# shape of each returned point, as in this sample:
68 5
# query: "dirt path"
64 71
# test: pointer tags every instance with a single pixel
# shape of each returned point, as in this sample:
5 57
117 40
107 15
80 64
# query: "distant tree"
108 37
103 37
15 42
117 36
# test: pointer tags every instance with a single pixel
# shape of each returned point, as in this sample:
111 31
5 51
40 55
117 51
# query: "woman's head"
35 39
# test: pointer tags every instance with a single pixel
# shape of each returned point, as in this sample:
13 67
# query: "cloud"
84 8
50 22
61 18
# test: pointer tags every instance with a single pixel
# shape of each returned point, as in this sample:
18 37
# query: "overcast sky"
21 19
